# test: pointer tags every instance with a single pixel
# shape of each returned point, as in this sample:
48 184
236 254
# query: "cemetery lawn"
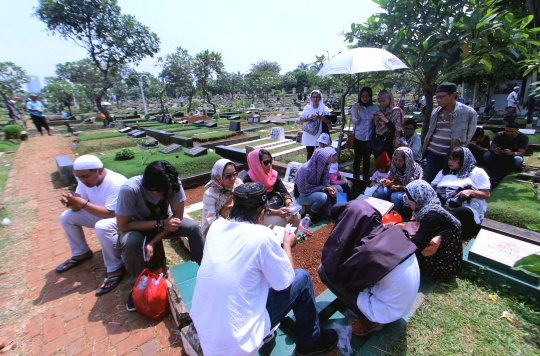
216 135
8 145
5 165
97 136
185 165
105 144
513 203
458 317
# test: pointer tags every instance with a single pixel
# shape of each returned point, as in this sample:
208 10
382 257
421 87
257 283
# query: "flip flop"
360 328
115 280
70 263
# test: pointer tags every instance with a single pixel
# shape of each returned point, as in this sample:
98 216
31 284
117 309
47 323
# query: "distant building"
34 85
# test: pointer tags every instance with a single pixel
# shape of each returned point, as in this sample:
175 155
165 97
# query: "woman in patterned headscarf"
388 122
217 198
403 170
463 188
436 232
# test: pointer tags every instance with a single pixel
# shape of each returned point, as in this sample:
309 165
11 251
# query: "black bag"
275 200
377 143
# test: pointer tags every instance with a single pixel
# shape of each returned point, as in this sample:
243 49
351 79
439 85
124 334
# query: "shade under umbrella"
361 60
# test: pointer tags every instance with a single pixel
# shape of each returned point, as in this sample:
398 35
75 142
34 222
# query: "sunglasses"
230 175
267 162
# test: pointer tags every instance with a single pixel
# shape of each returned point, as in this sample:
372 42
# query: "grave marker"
299 137
234 126
277 133
196 151
171 148
501 248
292 168
294 90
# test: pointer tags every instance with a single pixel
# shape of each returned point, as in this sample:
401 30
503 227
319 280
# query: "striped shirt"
441 141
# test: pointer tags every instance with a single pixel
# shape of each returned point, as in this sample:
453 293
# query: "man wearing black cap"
247 284
452 124
506 152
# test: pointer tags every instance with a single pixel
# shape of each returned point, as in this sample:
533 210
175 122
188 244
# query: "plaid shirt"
462 121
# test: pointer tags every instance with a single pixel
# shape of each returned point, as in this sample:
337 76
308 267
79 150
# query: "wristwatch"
159 225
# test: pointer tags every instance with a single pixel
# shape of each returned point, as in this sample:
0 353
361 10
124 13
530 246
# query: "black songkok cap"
250 195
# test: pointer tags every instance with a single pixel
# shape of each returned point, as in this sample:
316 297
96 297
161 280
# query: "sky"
243 31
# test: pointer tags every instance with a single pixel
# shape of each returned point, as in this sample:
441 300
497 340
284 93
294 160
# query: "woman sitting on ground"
371 268
388 122
403 170
436 232
218 198
464 189
312 185
260 171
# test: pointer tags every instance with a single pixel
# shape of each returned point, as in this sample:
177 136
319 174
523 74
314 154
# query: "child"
383 167
336 180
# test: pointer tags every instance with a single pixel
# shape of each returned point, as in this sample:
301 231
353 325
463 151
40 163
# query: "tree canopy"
12 77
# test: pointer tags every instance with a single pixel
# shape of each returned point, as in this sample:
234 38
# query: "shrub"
12 131
216 116
124 154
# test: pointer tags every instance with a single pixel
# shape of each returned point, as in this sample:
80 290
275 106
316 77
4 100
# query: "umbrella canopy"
105 103
361 60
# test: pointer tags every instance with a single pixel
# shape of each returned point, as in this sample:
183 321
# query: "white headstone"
501 248
331 91
281 108
295 108
305 90
294 90
292 168
277 133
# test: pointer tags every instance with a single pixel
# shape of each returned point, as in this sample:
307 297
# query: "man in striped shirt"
452 124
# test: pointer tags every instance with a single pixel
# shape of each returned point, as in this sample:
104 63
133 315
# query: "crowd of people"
247 283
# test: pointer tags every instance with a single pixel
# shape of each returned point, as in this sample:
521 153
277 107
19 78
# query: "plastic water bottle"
305 223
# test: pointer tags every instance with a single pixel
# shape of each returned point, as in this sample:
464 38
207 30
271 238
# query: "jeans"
346 296
132 245
338 188
435 163
316 200
396 198
361 153
300 297
500 164
106 232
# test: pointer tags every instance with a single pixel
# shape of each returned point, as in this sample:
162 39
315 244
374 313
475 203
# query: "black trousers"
310 150
469 227
40 122
361 153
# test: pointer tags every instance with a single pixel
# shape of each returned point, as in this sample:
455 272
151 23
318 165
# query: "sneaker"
130 306
327 340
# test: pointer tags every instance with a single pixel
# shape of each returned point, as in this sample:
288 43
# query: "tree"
61 93
433 37
206 65
110 38
287 81
230 82
266 66
12 77
302 67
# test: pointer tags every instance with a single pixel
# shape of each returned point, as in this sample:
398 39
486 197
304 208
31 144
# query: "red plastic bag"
150 295
392 217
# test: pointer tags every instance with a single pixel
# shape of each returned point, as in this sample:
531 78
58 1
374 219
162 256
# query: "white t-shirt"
512 99
106 194
241 261
477 178
393 296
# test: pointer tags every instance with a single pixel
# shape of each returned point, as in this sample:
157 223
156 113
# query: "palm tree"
302 67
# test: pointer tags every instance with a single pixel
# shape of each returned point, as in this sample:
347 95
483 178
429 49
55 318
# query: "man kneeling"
372 268
233 307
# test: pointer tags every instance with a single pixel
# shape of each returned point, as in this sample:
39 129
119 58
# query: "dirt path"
43 312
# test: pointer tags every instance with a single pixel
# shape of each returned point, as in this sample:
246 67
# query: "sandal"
114 281
71 262
360 328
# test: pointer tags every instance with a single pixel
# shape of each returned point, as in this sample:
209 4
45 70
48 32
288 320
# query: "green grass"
8 145
196 215
216 135
513 203
104 145
98 136
185 165
5 165
459 318
273 150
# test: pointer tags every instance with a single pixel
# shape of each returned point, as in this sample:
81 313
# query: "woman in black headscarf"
364 128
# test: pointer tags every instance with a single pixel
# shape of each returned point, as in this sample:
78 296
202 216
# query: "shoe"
112 281
130 305
327 340
360 328
72 262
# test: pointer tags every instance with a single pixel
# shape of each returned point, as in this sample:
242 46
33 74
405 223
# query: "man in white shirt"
512 101
93 205
246 284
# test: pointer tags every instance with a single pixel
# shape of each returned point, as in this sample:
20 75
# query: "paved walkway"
59 313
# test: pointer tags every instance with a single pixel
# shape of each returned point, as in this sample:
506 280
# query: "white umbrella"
359 60
105 103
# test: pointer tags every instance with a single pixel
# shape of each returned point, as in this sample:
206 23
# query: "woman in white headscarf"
218 198
313 115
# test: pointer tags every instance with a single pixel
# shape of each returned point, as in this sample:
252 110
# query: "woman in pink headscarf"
260 171
388 122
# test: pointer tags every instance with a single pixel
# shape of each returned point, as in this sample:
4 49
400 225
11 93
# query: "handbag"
377 143
392 217
311 127
275 200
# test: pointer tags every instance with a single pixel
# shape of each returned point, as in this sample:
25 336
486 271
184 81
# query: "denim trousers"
394 197
300 298
316 200
500 164
435 163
